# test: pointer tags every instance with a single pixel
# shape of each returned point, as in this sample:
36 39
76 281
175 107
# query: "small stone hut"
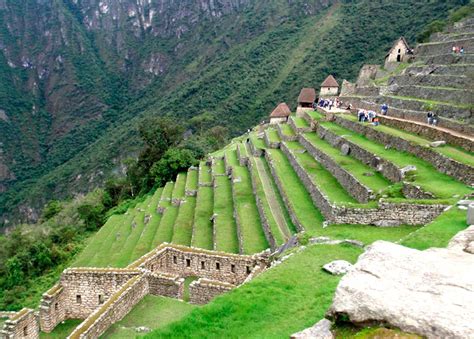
307 97
329 87
399 52
280 114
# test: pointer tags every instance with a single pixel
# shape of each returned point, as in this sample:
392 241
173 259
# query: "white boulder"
338 267
320 330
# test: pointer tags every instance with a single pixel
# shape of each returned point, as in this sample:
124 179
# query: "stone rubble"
338 267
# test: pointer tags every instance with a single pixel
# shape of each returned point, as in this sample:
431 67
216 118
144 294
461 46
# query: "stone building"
329 87
307 97
400 52
280 114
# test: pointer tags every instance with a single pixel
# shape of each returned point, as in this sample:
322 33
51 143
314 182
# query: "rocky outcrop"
430 292
320 330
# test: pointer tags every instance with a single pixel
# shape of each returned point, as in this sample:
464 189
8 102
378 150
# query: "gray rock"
368 174
320 330
430 293
387 223
470 214
463 241
437 143
345 149
406 169
338 267
354 242
464 202
142 329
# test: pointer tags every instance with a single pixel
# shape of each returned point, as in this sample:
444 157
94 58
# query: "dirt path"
270 194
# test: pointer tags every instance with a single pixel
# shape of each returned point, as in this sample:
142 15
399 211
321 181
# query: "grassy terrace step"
192 181
300 122
299 199
276 214
256 141
273 135
452 152
205 175
243 150
218 167
179 187
183 225
286 130
427 176
326 182
376 182
253 237
165 229
430 102
225 229
202 229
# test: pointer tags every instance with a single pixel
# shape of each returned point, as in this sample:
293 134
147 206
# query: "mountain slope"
62 134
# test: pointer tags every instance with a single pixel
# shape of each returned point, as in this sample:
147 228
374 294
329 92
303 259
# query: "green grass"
205 175
316 115
283 300
218 167
225 227
165 199
430 102
202 223
287 130
154 312
442 185
251 230
62 330
2 322
187 282
300 200
166 227
242 150
192 180
179 186
452 152
327 183
439 232
256 141
300 122
376 182
273 135
183 225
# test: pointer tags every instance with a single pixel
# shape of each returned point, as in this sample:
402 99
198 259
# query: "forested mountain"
78 76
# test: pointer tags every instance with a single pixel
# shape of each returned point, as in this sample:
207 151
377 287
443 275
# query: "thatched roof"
330 82
307 95
281 111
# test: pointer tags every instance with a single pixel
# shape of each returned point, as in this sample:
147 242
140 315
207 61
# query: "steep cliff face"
77 76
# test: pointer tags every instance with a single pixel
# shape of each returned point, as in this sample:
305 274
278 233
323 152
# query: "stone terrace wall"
238 223
203 291
386 214
23 324
212 265
94 286
429 132
266 138
166 285
457 170
285 137
353 186
388 169
286 200
52 308
297 129
114 310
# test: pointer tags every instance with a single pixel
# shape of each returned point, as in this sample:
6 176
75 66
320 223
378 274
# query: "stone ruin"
103 296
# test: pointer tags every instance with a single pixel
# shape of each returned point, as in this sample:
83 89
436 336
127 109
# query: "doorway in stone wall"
187 282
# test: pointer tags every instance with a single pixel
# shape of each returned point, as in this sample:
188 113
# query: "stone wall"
428 132
388 169
242 154
85 289
386 214
286 200
52 308
457 170
285 137
166 285
297 129
203 291
353 186
275 144
235 213
185 262
23 324
113 310
256 152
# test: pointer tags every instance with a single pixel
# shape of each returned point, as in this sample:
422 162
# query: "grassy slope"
203 213
183 225
62 330
225 227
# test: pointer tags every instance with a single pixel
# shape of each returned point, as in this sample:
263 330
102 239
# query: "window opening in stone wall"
175 259
188 262
232 268
218 266
78 299
203 265
152 267
101 299
25 331
56 306
248 269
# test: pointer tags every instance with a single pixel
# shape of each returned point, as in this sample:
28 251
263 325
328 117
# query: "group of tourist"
369 116
458 50
329 104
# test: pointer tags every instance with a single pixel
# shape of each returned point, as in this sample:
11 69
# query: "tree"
174 161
